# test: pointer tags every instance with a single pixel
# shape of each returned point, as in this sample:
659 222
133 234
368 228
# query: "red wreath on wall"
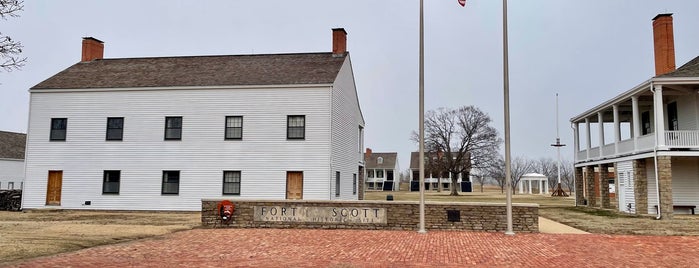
225 210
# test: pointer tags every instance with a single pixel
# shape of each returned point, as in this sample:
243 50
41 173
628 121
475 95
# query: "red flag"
462 2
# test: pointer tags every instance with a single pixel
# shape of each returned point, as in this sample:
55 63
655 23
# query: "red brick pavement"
357 248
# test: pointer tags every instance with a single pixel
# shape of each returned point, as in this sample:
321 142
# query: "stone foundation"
380 215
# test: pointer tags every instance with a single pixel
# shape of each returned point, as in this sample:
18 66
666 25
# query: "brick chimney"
93 49
368 153
664 44
339 42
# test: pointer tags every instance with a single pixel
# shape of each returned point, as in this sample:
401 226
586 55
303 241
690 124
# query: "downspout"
575 156
655 152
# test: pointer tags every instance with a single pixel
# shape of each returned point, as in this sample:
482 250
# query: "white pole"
558 141
422 126
506 82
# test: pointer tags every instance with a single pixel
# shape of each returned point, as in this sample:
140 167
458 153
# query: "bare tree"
548 168
567 176
10 50
496 171
464 137
518 167
480 176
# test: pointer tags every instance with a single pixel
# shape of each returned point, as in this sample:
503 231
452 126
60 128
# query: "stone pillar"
665 186
604 185
579 186
640 181
590 180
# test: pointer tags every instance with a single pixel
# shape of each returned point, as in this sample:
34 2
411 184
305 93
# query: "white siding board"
346 119
652 186
685 182
686 113
626 186
11 170
264 155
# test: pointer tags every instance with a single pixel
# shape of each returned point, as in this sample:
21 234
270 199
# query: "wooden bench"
690 207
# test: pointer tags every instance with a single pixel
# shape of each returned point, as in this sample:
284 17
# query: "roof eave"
57 90
619 98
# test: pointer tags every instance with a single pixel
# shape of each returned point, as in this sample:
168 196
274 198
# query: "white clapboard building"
162 133
11 160
649 162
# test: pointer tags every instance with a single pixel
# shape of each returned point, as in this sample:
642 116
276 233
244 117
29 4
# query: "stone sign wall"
387 215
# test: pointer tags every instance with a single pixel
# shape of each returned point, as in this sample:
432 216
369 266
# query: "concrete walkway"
547 226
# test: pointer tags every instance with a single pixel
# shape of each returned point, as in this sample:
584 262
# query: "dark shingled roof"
232 70
12 145
389 160
689 69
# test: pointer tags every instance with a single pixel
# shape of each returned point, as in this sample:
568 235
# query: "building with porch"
12 160
652 161
382 171
435 173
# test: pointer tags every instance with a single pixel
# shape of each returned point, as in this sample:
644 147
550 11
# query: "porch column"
546 186
576 141
590 187
600 123
604 185
521 187
635 122
530 187
659 115
579 186
617 128
589 139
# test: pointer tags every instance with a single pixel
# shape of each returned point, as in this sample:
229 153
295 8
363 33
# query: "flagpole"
506 82
422 125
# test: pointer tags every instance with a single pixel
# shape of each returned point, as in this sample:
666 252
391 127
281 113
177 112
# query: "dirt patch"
38 233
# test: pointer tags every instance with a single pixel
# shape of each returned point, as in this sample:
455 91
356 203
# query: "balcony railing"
682 138
688 139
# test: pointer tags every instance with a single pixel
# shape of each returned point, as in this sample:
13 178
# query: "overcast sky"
587 51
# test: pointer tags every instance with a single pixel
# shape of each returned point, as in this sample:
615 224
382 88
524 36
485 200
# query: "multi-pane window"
296 127
110 181
58 129
337 183
115 128
370 173
354 183
234 127
379 173
231 182
171 182
173 128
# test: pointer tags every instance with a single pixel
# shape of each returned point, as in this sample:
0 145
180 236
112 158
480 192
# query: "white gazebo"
540 179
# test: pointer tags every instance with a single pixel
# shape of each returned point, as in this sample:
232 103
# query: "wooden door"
294 185
53 189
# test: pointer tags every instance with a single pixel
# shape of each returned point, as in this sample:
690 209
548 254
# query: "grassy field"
38 233
563 210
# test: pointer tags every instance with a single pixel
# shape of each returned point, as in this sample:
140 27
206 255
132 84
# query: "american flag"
462 2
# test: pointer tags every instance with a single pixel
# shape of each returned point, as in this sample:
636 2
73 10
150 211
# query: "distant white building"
163 133
12 160
382 171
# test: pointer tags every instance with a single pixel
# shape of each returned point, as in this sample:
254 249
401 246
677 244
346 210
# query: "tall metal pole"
422 125
506 82
558 148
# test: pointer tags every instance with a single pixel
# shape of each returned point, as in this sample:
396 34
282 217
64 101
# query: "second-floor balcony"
673 140
656 115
